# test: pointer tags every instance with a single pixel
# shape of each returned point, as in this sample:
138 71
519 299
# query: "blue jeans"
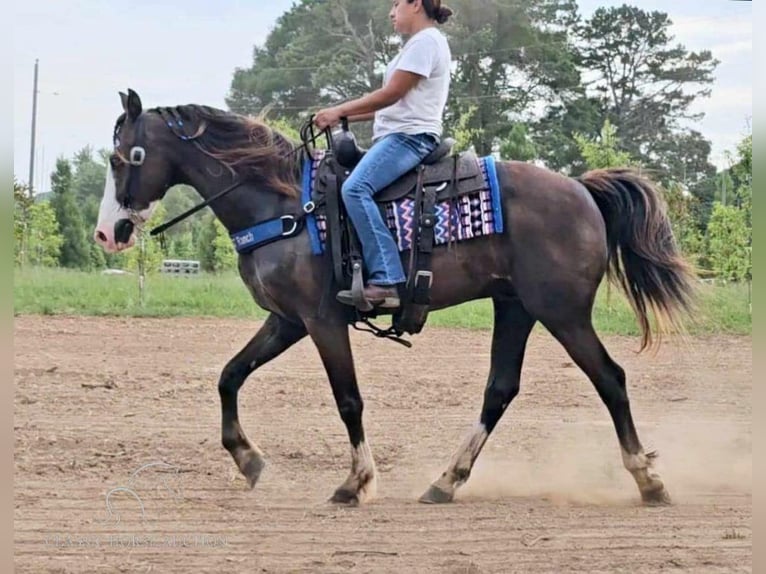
388 159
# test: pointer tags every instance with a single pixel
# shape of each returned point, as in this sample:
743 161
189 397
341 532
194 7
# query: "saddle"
441 176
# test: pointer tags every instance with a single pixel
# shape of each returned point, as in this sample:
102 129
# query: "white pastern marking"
363 471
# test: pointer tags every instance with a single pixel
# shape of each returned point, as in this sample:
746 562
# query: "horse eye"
114 161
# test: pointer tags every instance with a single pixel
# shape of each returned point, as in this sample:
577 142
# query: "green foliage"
283 126
742 177
681 213
729 247
98 258
647 83
683 157
517 145
21 204
224 254
730 229
603 151
182 247
75 252
150 256
317 52
88 183
507 55
554 133
463 134
216 251
44 238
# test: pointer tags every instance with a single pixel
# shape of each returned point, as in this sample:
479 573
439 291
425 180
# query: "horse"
562 236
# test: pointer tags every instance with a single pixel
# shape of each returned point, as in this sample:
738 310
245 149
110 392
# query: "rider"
407 114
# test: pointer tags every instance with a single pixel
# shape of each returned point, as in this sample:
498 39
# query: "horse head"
138 174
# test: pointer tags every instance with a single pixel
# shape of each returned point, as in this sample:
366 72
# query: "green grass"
59 291
721 308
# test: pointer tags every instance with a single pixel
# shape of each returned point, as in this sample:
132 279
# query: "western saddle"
441 176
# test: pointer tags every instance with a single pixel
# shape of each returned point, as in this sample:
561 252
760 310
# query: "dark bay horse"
562 235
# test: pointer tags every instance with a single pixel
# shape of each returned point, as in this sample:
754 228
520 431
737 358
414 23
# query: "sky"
179 52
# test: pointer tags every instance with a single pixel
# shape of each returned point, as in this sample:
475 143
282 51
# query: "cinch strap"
265 232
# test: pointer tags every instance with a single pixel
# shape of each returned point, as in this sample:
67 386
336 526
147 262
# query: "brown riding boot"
382 296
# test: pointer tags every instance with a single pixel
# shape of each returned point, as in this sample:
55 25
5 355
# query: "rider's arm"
400 83
362 117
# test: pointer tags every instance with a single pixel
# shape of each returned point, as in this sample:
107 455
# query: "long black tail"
643 256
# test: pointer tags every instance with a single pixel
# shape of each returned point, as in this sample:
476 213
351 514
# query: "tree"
517 145
646 83
318 52
74 248
21 203
216 251
604 151
683 157
506 55
224 254
681 211
742 176
204 238
151 255
182 247
729 243
553 134
88 179
44 238
464 135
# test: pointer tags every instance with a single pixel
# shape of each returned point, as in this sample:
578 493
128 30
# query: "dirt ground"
119 468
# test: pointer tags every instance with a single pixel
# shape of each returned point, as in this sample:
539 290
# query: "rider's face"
403 14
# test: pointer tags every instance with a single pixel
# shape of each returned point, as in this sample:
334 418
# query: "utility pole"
34 127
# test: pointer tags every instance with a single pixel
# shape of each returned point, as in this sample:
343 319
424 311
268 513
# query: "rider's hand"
327 118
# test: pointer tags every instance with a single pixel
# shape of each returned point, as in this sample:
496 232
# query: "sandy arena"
97 400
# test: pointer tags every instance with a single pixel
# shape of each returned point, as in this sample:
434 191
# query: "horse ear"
124 100
133 105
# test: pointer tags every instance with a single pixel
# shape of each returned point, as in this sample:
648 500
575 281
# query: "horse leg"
276 335
585 348
509 339
332 341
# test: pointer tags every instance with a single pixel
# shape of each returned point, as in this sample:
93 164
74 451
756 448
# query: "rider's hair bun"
442 14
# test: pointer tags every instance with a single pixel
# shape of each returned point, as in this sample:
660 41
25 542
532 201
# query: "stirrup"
357 289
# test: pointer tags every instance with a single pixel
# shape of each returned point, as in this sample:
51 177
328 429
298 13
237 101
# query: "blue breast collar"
280 227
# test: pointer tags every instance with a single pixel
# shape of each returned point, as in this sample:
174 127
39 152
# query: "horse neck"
242 207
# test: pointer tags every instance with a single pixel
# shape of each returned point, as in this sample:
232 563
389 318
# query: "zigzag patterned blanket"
470 216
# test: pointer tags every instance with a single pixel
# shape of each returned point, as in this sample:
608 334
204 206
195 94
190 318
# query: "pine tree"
75 252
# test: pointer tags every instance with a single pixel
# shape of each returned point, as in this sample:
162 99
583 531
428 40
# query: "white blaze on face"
110 212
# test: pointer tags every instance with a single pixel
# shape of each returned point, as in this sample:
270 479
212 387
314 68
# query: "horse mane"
245 144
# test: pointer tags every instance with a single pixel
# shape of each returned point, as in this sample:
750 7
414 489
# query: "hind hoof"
656 497
252 469
435 495
345 497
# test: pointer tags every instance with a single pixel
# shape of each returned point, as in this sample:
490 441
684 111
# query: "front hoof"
252 468
656 497
345 497
435 495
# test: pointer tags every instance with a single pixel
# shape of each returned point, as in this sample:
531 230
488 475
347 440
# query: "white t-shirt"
427 54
